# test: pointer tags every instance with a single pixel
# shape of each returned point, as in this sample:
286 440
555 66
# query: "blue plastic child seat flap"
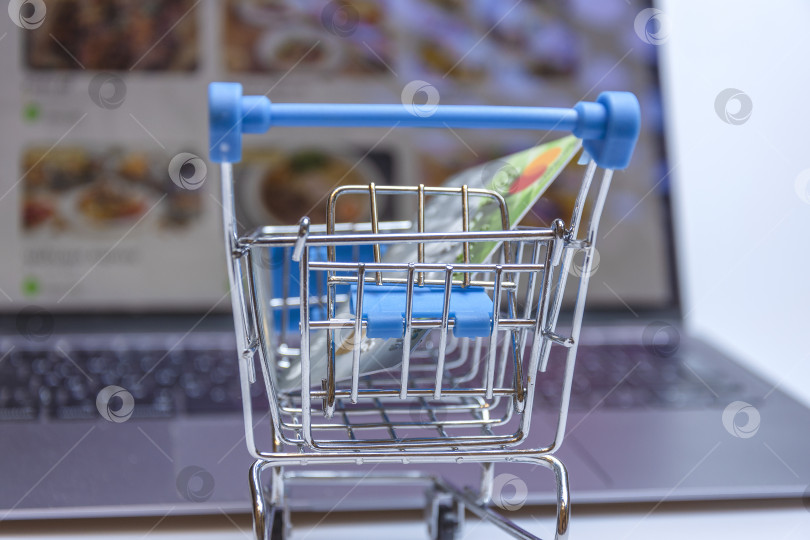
275 264
384 309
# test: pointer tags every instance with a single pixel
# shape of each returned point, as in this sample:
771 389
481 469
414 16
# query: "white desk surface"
787 520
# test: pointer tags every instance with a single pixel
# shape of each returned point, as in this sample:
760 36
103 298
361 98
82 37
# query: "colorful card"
520 178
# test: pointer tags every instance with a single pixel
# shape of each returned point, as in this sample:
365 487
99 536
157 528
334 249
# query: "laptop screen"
104 101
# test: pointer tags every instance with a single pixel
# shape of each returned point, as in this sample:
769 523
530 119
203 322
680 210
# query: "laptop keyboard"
631 376
62 382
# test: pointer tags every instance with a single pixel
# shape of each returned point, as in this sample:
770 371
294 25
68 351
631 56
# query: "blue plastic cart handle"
609 127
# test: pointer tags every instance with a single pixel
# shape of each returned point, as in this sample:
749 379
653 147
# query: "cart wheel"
444 515
278 527
447 522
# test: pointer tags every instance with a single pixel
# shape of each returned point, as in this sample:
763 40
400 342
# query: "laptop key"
166 376
195 385
97 362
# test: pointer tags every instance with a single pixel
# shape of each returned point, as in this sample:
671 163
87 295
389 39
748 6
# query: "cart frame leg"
265 512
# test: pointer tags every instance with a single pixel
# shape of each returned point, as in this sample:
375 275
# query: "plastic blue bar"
608 127
454 116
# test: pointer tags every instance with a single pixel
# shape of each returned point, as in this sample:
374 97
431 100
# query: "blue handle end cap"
609 128
230 115
225 122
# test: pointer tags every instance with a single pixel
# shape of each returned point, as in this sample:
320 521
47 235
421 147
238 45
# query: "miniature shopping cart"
469 341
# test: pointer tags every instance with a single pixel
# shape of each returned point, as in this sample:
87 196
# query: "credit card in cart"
521 179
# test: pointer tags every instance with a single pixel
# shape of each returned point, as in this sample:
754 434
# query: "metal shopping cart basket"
471 341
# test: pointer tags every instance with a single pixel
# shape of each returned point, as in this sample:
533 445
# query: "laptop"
119 391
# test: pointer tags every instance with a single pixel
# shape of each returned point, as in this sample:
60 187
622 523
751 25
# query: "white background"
743 231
